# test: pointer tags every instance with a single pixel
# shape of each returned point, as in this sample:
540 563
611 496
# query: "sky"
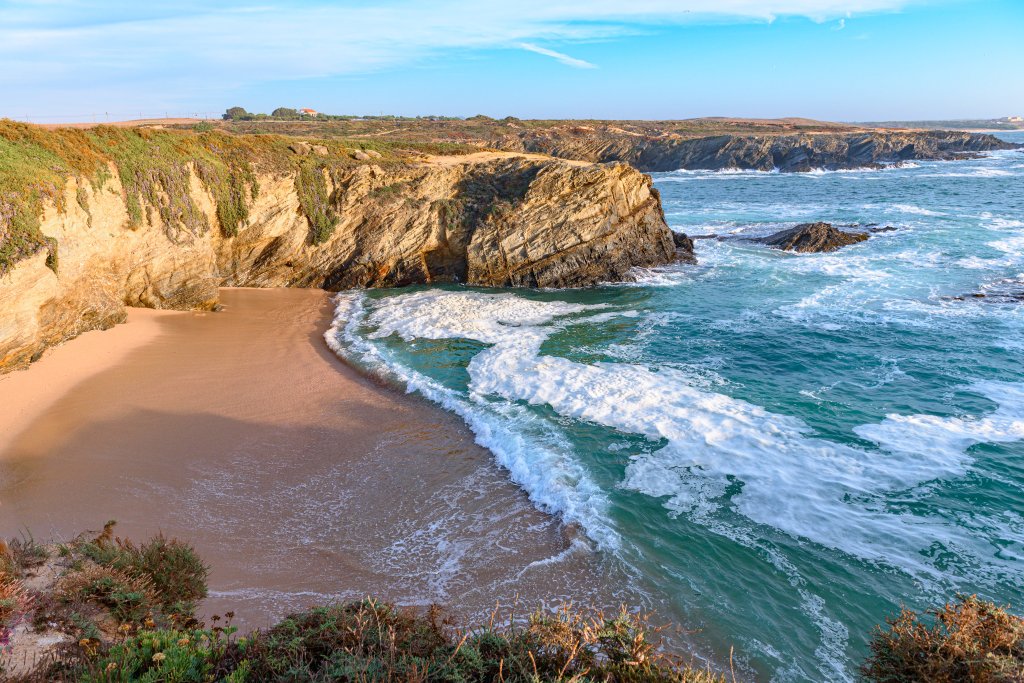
845 60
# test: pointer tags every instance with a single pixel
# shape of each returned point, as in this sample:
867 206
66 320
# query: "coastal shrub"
14 600
21 555
174 569
967 640
374 641
314 200
152 656
34 166
14 603
128 597
233 184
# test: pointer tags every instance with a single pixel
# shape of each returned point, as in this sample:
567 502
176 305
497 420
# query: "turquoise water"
778 448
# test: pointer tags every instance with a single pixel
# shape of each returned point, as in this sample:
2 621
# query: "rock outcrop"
813 238
785 153
492 219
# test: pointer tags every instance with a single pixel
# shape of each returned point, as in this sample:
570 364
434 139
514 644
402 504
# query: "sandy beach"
297 479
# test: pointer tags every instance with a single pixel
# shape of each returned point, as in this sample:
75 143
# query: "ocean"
778 450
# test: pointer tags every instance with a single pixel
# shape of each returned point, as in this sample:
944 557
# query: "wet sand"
297 479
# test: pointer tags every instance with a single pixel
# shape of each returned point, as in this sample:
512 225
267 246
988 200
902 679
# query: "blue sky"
829 59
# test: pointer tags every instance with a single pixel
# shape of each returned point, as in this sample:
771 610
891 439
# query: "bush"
236 113
373 641
130 598
315 201
21 555
285 113
966 640
177 573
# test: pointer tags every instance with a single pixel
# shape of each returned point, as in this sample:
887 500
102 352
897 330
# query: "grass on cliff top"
482 130
34 165
155 167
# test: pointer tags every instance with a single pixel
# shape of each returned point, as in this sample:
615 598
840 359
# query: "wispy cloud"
60 48
560 56
840 25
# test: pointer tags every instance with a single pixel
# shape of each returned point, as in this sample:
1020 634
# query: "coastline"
299 480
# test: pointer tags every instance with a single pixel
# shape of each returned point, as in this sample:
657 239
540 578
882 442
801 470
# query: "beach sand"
298 480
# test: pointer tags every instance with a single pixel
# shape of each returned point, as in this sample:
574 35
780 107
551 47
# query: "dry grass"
967 640
374 641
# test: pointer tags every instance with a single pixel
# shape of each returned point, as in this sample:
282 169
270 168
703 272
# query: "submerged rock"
813 238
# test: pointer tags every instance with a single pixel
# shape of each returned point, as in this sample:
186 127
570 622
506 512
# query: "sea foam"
805 486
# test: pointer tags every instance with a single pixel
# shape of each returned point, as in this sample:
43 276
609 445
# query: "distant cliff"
786 153
707 144
90 223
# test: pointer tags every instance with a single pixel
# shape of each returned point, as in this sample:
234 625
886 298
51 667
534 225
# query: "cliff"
789 145
786 153
93 222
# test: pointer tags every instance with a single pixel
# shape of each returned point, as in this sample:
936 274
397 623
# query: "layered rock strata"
485 219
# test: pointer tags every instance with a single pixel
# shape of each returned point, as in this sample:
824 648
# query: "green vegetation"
157 168
373 641
966 640
236 114
130 611
487 131
174 569
34 167
315 201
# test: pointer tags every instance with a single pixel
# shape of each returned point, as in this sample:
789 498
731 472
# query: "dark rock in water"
682 241
813 238
684 247
887 228
995 298
712 236
1007 291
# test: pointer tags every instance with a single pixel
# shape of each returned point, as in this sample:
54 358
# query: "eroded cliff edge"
785 153
164 218
786 145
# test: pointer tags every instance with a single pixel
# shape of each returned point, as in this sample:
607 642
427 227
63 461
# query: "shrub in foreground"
967 640
373 641
173 568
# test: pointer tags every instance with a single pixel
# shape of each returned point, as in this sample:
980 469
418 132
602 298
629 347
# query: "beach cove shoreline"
300 480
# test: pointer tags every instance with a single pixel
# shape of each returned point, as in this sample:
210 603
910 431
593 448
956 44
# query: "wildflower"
159 657
84 642
111 666
182 642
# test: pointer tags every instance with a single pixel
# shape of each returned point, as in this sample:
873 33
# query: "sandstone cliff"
151 238
785 153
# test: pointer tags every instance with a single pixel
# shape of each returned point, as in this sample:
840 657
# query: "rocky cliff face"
487 219
786 153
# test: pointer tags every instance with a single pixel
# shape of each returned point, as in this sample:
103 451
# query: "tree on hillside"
235 113
285 113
